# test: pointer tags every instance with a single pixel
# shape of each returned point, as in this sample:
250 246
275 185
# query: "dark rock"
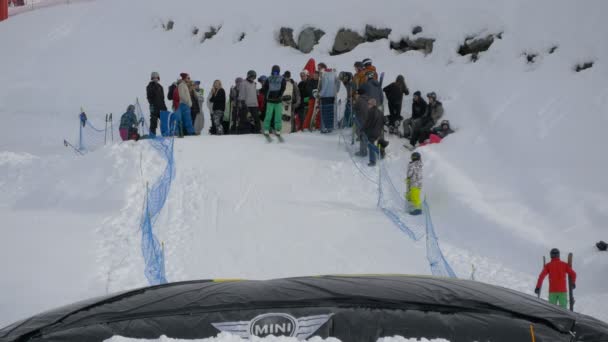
169 25
212 32
553 49
241 37
530 57
416 30
581 67
308 38
372 34
473 46
424 45
346 40
195 31
286 37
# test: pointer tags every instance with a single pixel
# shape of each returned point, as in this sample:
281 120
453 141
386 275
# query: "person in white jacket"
184 85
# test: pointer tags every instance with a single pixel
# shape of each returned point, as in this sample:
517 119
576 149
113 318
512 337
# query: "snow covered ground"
523 173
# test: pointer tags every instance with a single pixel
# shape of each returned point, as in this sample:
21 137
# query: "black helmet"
276 70
432 95
445 123
367 62
251 74
554 253
417 93
358 64
415 156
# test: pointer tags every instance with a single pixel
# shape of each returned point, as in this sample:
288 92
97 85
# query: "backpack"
171 90
274 83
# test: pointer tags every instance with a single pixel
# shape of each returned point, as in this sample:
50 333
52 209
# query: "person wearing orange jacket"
557 271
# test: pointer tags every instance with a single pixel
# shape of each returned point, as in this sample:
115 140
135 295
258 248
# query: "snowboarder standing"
329 85
185 104
414 184
273 89
156 99
557 271
372 129
218 100
248 102
394 94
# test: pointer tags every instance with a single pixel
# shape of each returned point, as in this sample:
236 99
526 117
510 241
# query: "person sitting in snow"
434 112
557 271
418 110
128 125
414 184
273 90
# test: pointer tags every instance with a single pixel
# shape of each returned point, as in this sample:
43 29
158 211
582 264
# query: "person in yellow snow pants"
414 184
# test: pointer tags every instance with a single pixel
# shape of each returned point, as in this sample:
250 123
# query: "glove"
537 290
573 286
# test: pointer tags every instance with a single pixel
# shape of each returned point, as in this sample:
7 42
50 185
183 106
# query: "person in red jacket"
557 271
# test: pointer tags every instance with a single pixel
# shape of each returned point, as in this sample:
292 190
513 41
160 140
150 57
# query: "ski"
570 294
541 286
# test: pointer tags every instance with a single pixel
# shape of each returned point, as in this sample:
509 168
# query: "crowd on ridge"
277 104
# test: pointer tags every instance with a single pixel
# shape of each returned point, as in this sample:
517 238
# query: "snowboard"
287 108
570 294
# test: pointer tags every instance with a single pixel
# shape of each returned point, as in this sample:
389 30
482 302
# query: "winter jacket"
184 93
372 89
371 68
305 89
359 79
219 100
128 121
434 112
196 105
557 270
442 133
330 84
414 174
394 92
374 124
418 108
361 110
248 93
295 95
156 96
274 96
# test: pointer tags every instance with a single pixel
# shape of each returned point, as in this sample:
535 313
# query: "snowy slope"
522 174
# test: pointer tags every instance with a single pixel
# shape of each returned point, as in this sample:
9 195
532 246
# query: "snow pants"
327 109
274 111
217 116
559 298
413 197
184 120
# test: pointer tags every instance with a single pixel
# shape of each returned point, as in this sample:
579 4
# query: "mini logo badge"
277 324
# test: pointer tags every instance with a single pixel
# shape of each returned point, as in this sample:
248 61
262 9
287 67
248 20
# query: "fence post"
3 10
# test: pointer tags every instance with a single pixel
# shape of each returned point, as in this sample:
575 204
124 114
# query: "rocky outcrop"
416 30
474 45
346 40
372 33
424 45
169 25
308 38
286 37
211 33
584 66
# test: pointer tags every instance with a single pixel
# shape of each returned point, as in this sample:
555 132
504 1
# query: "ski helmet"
287 74
554 253
251 74
367 62
358 65
445 123
417 93
415 156
370 74
276 70
432 95
262 79
155 75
